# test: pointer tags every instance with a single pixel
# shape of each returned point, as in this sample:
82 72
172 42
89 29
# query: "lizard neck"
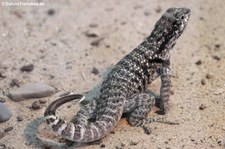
161 40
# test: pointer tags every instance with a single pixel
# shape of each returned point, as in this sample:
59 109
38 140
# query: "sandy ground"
52 38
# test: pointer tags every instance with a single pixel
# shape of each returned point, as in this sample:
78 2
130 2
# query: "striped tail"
78 132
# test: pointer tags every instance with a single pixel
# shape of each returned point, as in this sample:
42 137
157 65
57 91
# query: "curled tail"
61 127
59 102
81 132
77 132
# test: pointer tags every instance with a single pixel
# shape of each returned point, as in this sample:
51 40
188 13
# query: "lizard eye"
182 17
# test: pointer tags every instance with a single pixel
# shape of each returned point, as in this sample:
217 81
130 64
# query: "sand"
54 39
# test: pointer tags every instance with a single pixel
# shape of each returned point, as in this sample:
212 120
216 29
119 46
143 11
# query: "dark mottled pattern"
123 90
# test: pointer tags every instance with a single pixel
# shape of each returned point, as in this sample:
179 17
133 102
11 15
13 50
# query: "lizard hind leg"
139 105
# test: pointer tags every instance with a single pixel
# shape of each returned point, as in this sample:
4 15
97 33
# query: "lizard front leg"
165 75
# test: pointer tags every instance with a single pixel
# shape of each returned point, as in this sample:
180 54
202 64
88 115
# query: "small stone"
96 42
31 90
199 62
42 101
132 143
202 107
208 76
36 105
27 68
15 82
203 81
8 129
95 71
219 143
102 146
216 57
51 12
92 34
5 114
171 92
217 45
19 118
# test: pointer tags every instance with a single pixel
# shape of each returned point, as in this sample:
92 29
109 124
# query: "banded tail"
76 132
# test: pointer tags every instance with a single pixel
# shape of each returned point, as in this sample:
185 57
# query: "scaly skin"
123 89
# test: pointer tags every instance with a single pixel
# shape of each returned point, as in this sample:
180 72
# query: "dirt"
53 38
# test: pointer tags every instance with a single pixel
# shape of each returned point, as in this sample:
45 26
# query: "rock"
31 90
36 105
8 129
208 76
27 68
95 71
216 57
19 118
96 42
199 62
15 82
203 81
202 107
51 12
92 34
5 114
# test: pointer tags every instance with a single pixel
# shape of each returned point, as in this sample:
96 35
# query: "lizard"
124 88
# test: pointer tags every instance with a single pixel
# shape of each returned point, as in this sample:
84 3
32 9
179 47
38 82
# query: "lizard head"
176 20
168 28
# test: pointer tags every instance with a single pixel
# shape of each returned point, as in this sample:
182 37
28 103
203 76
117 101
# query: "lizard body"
123 89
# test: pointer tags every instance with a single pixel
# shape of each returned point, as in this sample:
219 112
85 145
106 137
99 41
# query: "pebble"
95 71
91 34
8 129
199 62
102 146
51 12
202 107
216 57
19 118
5 114
208 76
31 90
96 42
27 68
203 81
134 142
217 45
36 105
15 82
